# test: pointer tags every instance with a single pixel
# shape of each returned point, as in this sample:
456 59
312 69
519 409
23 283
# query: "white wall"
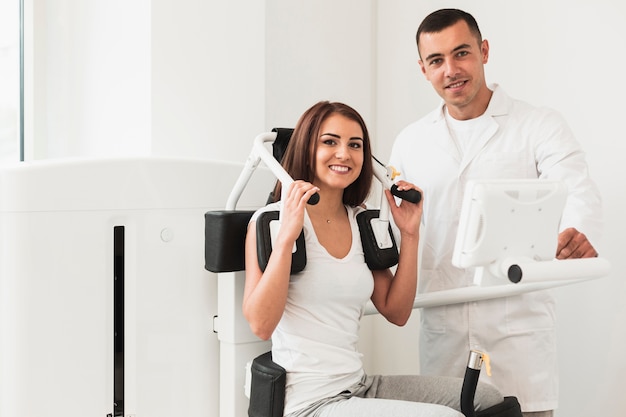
201 78
319 50
208 77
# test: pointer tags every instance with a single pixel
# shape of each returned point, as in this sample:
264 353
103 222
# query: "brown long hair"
303 144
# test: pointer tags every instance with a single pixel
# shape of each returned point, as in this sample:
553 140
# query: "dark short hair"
298 156
444 18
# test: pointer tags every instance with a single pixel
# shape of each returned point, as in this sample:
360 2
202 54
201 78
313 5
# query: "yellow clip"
487 361
394 173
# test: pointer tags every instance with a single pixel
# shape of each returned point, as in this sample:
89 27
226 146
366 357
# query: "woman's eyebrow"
334 135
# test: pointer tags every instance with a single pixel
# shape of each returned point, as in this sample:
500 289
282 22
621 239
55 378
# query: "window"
10 82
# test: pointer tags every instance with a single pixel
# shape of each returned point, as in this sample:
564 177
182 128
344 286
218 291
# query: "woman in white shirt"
313 316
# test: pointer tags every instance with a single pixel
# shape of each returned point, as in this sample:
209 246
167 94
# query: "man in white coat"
479 132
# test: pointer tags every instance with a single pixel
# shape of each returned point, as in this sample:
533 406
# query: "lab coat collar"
499 105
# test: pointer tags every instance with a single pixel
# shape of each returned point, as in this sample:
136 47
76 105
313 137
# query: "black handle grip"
315 198
468 391
412 196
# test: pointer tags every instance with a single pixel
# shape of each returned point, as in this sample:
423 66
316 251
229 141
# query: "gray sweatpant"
401 396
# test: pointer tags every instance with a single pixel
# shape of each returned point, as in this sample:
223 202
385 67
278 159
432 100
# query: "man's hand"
573 244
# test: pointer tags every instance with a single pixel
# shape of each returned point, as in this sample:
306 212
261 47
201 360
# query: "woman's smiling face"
339 157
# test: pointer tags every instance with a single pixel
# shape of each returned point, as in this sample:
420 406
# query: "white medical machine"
508 233
106 309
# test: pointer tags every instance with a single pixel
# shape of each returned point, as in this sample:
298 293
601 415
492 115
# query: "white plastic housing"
56 285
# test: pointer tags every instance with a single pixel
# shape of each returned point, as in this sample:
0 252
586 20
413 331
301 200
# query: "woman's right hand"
293 206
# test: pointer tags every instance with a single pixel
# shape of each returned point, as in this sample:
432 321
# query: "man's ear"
484 50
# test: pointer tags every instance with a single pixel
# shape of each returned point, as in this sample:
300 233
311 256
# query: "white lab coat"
520 141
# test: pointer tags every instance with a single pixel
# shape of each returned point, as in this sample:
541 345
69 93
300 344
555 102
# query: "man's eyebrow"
432 56
462 46
439 54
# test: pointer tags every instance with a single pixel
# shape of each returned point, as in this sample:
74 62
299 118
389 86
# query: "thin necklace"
329 220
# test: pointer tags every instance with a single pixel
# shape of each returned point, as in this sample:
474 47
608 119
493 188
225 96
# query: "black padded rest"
225 235
264 243
224 240
267 387
375 257
283 134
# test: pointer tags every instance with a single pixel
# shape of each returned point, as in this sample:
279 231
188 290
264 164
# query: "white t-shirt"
316 338
465 133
